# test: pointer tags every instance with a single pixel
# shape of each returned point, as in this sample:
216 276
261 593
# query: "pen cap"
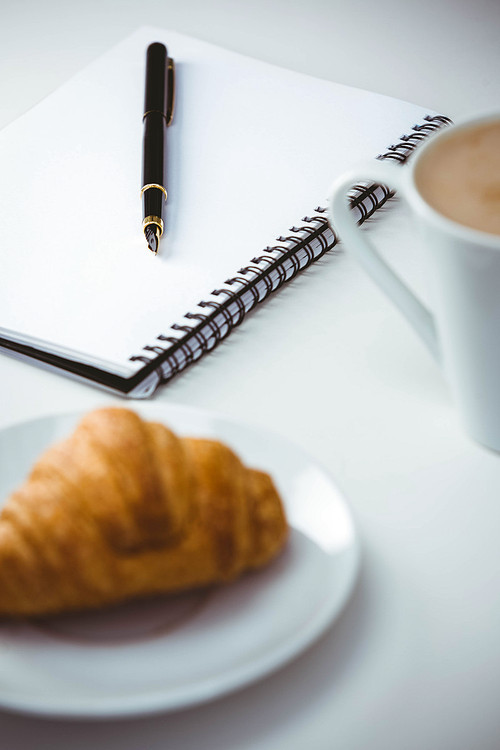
156 97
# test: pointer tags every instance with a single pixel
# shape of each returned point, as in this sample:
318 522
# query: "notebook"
253 149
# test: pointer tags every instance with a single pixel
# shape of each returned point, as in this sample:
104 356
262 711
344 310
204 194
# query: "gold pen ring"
154 185
153 220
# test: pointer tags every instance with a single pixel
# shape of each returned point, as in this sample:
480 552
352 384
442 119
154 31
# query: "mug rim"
462 231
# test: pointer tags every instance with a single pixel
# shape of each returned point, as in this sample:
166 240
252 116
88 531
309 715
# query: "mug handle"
342 219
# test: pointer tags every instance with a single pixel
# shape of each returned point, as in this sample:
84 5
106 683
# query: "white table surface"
414 661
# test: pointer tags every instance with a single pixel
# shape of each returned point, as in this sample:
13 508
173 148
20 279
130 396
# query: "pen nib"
152 234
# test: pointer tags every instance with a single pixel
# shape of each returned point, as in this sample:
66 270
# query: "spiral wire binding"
266 273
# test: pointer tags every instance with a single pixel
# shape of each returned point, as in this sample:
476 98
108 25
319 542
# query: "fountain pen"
158 112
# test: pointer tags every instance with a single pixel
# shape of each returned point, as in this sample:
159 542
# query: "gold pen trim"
153 220
154 185
171 91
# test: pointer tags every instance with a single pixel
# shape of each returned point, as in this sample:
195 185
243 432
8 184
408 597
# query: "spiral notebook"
253 150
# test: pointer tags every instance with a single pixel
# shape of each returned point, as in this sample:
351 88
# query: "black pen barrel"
154 163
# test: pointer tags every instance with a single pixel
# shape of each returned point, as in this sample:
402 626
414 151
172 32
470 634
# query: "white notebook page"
252 149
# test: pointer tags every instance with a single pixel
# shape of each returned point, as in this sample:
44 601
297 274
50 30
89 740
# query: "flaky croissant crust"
125 508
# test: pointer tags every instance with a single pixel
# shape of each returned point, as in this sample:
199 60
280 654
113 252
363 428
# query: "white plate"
168 653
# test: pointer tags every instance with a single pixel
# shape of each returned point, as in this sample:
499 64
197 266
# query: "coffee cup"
452 186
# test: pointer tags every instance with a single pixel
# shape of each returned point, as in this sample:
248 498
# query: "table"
414 660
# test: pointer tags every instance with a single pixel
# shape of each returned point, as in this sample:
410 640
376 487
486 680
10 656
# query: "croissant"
124 508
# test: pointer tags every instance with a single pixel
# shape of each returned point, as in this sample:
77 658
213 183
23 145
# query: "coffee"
459 176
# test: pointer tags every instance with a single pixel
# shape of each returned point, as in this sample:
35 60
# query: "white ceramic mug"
463 329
